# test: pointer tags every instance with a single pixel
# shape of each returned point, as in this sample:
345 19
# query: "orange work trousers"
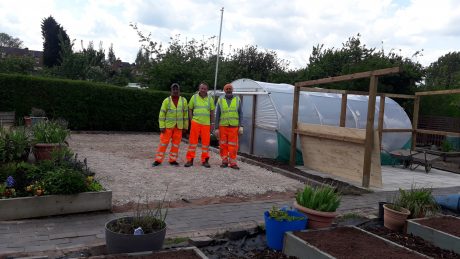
228 143
204 132
176 135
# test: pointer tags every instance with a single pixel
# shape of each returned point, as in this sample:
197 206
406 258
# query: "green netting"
454 142
284 150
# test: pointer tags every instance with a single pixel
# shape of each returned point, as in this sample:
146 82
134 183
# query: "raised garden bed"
410 241
443 232
49 205
343 242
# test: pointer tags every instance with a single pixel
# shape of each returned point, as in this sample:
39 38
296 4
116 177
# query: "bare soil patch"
345 242
450 225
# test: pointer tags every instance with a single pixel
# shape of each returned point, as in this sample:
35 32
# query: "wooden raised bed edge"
49 205
437 237
295 246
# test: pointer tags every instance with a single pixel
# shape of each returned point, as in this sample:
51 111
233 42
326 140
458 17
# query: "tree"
355 57
51 31
444 73
111 58
8 41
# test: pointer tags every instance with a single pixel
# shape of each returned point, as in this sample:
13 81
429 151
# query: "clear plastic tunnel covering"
273 116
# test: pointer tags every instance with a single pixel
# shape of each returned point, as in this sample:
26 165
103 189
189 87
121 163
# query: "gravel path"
122 163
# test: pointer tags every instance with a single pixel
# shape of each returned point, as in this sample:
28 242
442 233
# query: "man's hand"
240 130
216 133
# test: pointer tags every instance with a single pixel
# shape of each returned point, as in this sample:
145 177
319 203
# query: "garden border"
50 205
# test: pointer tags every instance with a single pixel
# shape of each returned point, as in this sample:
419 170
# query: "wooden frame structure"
369 138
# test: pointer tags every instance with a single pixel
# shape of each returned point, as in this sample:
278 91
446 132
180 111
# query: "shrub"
319 198
64 181
14 145
282 215
85 105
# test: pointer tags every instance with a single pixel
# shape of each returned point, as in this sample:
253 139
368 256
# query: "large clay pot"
42 151
393 219
316 219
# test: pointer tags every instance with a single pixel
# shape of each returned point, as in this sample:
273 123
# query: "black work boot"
206 163
189 163
156 163
174 163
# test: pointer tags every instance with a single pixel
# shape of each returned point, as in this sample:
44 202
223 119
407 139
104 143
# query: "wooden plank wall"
339 151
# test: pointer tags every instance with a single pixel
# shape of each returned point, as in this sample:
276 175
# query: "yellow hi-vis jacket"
229 114
202 108
170 115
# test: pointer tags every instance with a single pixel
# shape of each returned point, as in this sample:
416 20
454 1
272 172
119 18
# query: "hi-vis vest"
201 109
229 114
170 115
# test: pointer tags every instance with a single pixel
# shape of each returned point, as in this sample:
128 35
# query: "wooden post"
295 119
369 132
415 121
253 129
381 116
343 111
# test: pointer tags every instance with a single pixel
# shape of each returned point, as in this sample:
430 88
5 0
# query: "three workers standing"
174 116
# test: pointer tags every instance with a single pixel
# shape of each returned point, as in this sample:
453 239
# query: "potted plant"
144 231
419 201
278 221
48 136
394 216
319 204
36 115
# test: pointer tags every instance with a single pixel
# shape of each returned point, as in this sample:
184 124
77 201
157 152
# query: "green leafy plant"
446 146
49 132
319 198
14 145
282 215
419 201
64 181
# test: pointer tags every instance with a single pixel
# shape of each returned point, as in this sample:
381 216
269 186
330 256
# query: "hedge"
85 105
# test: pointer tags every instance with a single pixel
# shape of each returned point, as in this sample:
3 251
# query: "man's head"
203 89
228 89
175 89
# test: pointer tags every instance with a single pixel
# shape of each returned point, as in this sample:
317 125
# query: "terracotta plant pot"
316 219
42 151
393 219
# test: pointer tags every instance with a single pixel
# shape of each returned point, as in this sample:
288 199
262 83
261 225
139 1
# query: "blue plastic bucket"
275 229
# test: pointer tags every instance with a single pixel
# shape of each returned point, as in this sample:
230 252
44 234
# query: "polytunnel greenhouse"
271 105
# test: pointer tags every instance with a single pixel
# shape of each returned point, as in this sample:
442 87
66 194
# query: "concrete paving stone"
6 251
39 248
90 232
62 235
55 241
23 243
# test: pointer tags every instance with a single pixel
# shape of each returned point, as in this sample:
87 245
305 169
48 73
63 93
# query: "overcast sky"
291 27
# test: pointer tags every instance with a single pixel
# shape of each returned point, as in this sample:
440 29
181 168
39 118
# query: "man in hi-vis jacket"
173 119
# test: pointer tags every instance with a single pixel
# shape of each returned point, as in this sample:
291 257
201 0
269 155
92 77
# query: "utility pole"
218 51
